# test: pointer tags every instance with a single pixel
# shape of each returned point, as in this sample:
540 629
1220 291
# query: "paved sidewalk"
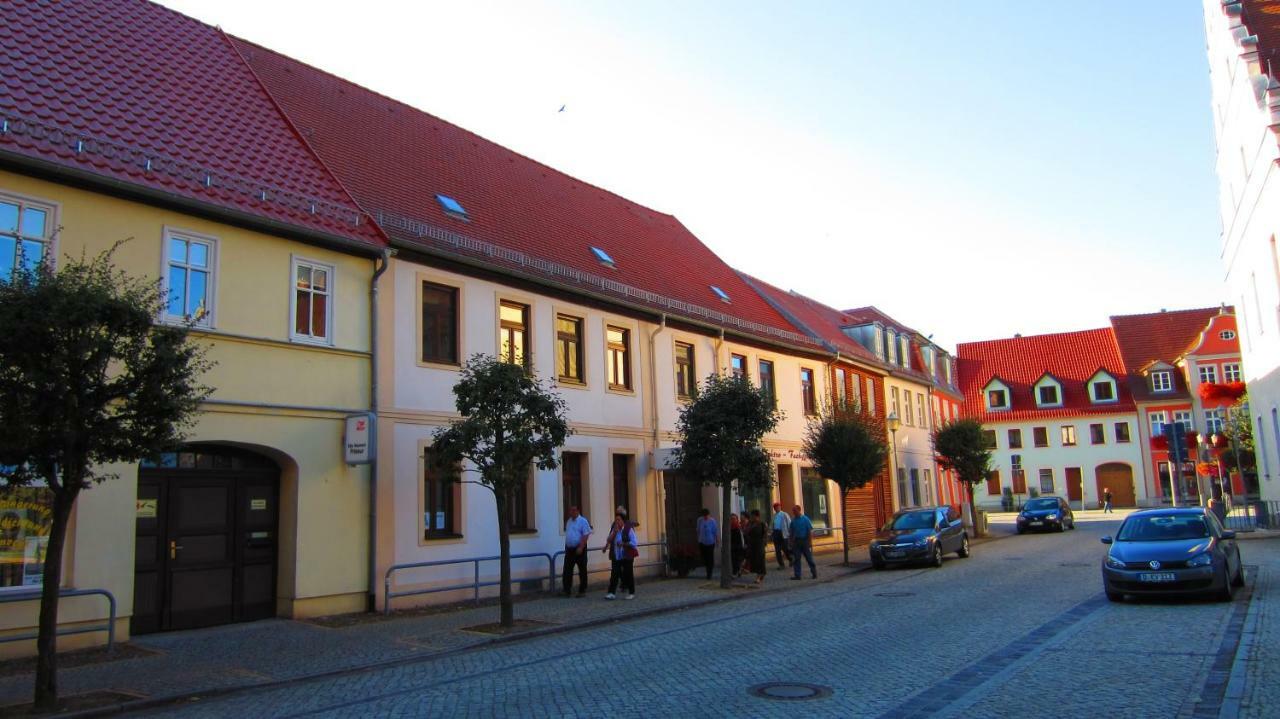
219 658
1254 684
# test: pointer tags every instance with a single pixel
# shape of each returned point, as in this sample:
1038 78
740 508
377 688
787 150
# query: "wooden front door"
684 505
1075 488
1119 479
206 548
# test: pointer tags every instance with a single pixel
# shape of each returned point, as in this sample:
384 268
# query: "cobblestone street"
1020 629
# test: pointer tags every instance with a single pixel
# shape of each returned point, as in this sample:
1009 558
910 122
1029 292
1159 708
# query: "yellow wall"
263 386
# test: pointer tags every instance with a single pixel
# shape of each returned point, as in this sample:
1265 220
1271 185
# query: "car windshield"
913 520
1037 504
1166 528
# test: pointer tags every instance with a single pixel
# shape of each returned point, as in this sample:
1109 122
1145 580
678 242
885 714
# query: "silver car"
1172 551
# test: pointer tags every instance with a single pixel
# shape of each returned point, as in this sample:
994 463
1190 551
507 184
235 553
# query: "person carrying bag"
622 550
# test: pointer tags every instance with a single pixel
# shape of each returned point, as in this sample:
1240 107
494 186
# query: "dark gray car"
922 534
1172 551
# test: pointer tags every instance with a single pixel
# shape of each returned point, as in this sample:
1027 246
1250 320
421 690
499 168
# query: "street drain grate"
895 594
789 691
1074 564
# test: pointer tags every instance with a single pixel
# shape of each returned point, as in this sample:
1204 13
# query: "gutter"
387 254
131 190
658 504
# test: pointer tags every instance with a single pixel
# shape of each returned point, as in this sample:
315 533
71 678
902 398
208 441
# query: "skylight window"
452 207
724 296
603 256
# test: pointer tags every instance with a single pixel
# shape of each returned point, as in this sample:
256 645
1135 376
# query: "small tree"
86 379
720 433
847 447
961 448
509 423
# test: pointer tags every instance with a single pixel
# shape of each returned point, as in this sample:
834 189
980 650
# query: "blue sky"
974 169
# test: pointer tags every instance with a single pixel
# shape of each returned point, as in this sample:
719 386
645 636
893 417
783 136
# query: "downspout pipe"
658 506
379 269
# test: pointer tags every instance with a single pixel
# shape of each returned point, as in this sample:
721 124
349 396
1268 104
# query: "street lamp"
892 423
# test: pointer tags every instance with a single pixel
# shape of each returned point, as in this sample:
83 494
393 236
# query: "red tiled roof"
396 159
131 91
814 318
1262 20
868 314
1071 357
1158 337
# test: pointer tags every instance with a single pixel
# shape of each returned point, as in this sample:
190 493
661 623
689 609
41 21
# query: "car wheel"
877 563
1073 524
937 555
1227 593
1238 580
1062 526
1115 596
964 547
1021 530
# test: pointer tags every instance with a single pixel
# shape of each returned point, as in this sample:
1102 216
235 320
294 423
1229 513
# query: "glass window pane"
8 217
513 314
33 222
319 280
197 297
177 250
615 336
8 251
26 516
199 254
304 277
302 315
319 316
177 291
32 253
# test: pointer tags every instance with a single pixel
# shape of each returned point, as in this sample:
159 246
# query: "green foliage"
720 435
509 422
846 446
86 376
961 448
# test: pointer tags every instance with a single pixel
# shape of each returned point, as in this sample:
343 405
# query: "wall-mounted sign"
147 508
257 505
358 440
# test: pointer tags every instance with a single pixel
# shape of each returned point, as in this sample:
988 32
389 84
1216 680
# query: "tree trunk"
844 531
46 689
507 611
726 552
973 511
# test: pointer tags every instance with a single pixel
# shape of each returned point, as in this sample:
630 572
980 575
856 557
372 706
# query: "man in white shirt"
576 532
781 533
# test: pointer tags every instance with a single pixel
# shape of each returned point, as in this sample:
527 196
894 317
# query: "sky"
974 169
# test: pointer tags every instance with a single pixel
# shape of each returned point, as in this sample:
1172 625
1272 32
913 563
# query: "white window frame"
294 262
52 212
1101 378
1231 372
1187 418
1208 373
210 320
1057 390
1157 418
1167 383
1213 420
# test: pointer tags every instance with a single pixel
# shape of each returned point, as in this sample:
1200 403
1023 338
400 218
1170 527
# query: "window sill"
429 364
619 389
441 537
570 383
312 341
522 532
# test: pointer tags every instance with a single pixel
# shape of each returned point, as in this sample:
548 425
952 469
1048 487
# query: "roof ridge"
1039 336
1166 313
293 128
455 126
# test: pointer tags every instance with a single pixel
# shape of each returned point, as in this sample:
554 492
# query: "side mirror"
1105 540
1228 534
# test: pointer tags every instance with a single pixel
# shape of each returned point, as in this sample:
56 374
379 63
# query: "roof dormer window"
1102 388
997 399
452 208
891 341
1162 381
1048 395
904 351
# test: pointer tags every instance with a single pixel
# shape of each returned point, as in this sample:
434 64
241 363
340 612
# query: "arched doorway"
1117 477
206 525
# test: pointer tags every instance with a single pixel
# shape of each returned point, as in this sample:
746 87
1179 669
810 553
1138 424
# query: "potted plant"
682 558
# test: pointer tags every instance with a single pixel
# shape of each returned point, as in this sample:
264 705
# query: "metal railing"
474 585
1253 514
109 627
662 559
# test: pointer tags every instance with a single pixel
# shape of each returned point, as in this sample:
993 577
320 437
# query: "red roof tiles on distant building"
1158 337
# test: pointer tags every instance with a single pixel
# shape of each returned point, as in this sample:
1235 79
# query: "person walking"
755 546
781 535
576 532
737 545
801 542
708 536
1106 501
622 550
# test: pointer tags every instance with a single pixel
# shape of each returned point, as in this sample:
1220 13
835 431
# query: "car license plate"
1037 523
1156 577
895 554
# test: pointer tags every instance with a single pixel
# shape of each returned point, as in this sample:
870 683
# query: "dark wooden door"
1074 484
1119 479
684 503
206 540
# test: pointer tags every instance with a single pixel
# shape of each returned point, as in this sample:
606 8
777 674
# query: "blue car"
1172 552
1045 514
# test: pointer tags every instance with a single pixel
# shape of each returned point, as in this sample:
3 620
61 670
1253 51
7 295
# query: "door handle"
173 549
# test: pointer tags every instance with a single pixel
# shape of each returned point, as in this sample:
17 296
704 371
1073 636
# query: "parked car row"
920 535
1046 514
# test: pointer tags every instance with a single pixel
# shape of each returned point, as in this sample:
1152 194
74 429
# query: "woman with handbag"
737 544
622 550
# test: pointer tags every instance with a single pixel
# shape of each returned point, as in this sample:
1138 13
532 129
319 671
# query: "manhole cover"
789 691
1074 564
895 594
